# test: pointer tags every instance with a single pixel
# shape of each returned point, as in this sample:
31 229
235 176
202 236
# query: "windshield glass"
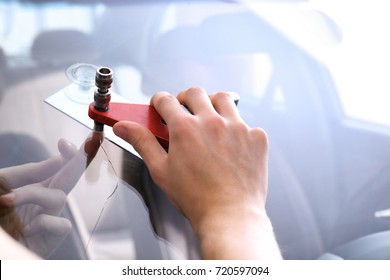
300 68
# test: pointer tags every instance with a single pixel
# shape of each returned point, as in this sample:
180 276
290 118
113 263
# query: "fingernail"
66 148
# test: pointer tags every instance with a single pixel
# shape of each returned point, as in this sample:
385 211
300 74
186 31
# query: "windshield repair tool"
104 112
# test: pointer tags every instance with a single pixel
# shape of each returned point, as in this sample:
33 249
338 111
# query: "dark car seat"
63 48
375 246
17 148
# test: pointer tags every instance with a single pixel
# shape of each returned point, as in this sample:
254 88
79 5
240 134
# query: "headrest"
63 47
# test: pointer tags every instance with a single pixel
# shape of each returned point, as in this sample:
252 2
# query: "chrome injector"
102 95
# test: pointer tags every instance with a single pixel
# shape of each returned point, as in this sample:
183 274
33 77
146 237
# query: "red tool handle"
145 115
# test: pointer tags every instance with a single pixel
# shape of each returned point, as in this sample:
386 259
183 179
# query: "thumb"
143 141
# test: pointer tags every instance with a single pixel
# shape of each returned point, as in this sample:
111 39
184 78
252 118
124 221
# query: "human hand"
39 192
215 171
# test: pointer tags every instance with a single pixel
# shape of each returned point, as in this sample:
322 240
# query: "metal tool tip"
103 79
98 127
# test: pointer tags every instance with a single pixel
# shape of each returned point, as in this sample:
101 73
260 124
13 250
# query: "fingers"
66 178
167 106
171 110
7 200
18 176
51 200
45 233
92 145
198 103
224 104
196 100
58 172
67 149
54 226
21 175
143 141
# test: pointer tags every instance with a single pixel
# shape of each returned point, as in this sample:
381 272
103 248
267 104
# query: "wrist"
237 233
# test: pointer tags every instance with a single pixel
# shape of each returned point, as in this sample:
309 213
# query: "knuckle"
195 90
163 97
183 125
65 226
138 142
260 135
225 100
222 95
59 197
191 91
217 122
160 98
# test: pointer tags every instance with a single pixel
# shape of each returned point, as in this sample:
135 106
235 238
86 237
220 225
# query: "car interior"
329 174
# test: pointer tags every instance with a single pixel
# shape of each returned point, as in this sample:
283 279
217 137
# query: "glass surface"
328 172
